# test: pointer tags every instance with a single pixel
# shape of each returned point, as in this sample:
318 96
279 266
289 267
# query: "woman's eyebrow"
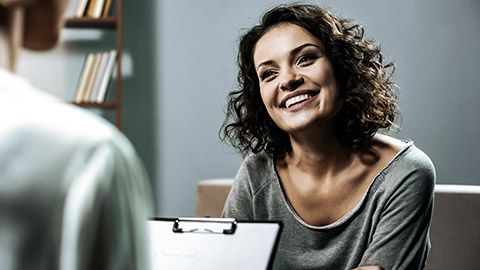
301 47
292 52
265 63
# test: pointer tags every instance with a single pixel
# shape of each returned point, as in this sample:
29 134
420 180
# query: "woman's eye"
306 59
266 74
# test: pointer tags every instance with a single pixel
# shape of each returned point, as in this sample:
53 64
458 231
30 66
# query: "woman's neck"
318 153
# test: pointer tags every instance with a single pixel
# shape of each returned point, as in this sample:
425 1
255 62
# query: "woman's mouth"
295 99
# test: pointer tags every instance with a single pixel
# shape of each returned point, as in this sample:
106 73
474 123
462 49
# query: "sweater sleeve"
400 239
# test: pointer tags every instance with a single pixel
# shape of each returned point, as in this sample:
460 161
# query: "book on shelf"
101 70
81 7
93 8
91 83
106 8
83 81
90 6
112 57
95 76
98 8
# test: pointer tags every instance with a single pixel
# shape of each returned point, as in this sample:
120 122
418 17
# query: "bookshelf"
113 23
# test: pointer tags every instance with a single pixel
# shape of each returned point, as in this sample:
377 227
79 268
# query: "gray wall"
181 65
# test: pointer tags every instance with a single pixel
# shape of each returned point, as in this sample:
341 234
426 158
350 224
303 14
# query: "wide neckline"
377 180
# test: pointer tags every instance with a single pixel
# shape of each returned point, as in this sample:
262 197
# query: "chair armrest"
211 196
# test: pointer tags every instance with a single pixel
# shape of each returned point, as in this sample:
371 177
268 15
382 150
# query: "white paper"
250 247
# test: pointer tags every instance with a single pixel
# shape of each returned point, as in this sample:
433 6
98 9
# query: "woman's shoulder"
409 163
402 156
418 159
387 143
390 148
258 169
257 161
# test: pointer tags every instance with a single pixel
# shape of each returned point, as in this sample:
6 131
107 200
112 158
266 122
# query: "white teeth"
296 99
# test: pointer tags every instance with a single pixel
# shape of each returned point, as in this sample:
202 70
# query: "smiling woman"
363 79
313 95
295 63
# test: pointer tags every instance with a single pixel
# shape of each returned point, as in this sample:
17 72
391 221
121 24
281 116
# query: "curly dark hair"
365 84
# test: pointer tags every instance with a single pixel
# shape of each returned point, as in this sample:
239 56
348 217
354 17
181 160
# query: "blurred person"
314 96
73 191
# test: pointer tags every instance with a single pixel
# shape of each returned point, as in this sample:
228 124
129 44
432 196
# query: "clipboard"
212 243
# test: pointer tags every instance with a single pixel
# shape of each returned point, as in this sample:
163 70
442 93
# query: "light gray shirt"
388 227
73 191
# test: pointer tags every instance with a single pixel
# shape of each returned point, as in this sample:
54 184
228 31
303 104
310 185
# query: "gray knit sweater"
388 227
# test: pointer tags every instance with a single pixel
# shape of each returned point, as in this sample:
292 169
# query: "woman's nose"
290 81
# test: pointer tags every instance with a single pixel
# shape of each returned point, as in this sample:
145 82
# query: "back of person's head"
32 24
73 192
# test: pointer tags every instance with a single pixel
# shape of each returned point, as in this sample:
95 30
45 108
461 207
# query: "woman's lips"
297 97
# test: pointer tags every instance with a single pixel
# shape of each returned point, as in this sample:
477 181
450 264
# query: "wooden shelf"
111 105
108 23
105 23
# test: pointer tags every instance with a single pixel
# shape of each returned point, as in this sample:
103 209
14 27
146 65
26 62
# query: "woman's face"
297 82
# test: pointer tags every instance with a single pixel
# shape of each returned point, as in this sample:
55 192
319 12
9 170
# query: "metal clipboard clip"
208 225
